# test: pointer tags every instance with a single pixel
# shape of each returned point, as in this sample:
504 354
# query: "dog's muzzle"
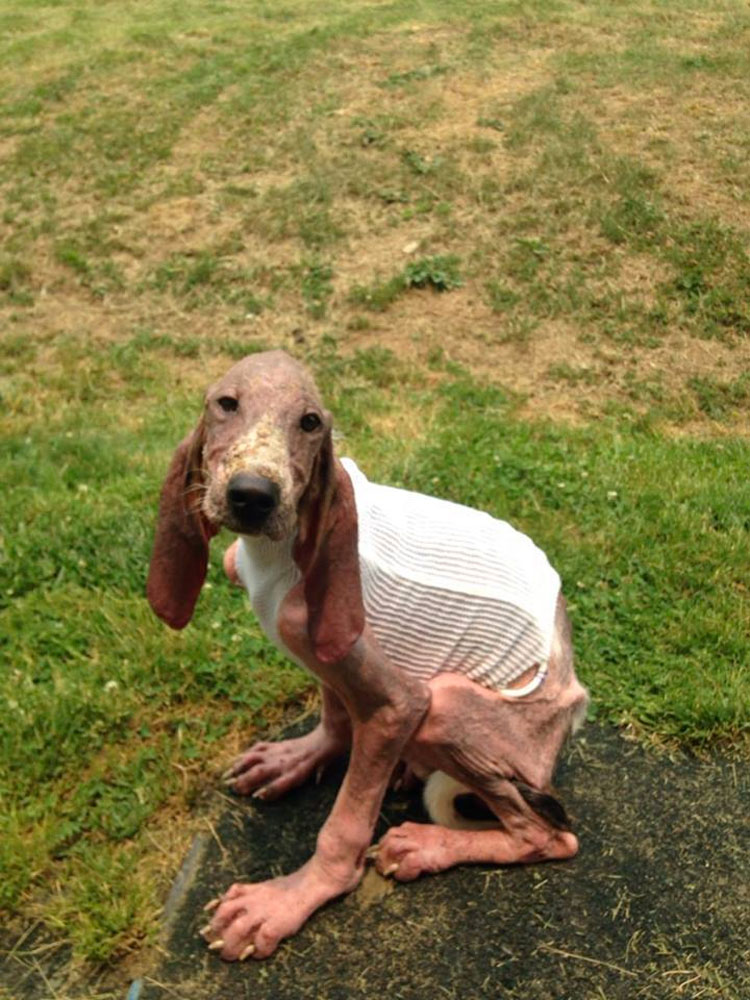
251 500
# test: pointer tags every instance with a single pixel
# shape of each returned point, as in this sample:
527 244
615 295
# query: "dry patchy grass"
403 143
176 194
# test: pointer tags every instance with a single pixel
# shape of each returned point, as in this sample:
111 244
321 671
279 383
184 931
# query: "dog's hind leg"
504 751
415 849
520 836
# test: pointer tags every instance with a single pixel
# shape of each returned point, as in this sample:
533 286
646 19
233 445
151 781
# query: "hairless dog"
438 635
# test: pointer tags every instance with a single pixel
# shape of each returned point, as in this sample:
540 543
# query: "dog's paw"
250 920
411 850
414 849
268 770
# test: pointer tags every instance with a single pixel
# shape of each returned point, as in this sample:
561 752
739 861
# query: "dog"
438 634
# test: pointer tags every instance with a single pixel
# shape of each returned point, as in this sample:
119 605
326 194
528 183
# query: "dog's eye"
228 403
310 422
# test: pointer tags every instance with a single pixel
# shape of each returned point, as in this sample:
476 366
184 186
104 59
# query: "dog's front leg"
382 725
386 708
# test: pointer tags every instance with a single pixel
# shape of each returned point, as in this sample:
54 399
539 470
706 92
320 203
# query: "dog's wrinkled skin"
257 423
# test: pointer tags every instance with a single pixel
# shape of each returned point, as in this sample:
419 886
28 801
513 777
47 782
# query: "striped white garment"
448 588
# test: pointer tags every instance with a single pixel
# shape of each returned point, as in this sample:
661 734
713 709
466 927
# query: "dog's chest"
268 573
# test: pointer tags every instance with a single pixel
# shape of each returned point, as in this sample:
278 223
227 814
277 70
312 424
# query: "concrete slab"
655 905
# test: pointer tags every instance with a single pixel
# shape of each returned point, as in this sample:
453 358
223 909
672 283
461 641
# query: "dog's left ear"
180 555
327 554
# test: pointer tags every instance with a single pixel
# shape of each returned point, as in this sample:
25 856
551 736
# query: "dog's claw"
247 952
261 793
319 772
372 852
391 869
216 945
212 904
205 931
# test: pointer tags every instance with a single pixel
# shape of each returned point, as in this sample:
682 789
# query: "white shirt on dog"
445 587
450 588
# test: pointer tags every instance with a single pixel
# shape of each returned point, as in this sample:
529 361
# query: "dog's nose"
251 498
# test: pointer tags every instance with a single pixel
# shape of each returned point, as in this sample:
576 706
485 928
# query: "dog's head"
264 429
260 462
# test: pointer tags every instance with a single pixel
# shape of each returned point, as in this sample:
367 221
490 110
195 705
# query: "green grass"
512 241
654 567
440 273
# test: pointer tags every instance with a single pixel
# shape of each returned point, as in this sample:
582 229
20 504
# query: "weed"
527 257
440 273
393 197
378 365
418 164
480 145
182 272
516 330
101 276
359 322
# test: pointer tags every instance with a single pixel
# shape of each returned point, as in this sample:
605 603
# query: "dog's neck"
265 561
267 550
268 572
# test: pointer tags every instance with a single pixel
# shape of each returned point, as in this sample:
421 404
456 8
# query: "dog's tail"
451 804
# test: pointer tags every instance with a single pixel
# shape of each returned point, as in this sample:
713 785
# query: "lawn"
511 239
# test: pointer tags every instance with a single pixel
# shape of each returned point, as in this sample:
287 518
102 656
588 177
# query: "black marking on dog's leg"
544 805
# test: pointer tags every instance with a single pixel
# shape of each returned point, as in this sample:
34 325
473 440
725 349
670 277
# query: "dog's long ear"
326 552
180 555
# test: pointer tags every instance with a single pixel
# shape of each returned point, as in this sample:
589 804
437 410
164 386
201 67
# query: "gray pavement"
656 904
